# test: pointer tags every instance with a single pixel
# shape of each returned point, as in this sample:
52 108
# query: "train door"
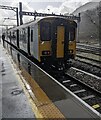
60 41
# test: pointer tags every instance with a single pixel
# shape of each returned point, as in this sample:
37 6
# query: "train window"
31 35
9 35
45 31
23 35
14 35
72 34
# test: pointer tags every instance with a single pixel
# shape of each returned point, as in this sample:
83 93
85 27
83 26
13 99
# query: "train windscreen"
45 31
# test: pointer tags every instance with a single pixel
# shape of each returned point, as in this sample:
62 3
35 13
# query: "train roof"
37 21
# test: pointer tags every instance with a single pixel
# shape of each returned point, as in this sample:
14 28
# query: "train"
50 40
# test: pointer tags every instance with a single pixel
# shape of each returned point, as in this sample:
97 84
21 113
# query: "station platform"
13 100
49 98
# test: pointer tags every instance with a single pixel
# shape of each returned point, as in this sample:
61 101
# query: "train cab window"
72 34
45 31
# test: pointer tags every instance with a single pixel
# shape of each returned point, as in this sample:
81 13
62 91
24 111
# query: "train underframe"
59 64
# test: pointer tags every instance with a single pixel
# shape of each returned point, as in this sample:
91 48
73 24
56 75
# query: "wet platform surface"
13 100
51 98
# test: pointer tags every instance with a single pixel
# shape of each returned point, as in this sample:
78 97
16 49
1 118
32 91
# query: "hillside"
89 25
87 6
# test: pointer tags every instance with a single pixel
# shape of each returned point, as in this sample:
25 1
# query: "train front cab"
57 40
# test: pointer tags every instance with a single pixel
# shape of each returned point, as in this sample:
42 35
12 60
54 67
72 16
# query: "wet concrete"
70 106
63 100
13 101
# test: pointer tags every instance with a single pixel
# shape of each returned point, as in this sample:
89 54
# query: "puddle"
3 70
17 92
3 74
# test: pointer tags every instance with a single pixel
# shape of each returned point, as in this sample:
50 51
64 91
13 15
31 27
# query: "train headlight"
70 51
46 52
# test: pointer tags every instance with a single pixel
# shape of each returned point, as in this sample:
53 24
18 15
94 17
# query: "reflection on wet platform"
49 92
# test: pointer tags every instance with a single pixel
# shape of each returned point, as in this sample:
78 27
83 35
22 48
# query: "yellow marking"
96 106
60 41
45 46
41 105
44 105
72 46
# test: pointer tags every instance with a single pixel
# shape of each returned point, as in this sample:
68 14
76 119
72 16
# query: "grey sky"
47 6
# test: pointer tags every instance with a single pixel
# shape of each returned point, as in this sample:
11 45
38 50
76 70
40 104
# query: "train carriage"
48 39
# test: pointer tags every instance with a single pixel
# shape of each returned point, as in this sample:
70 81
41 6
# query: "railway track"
88 60
87 66
85 57
89 95
86 77
89 49
85 92
89 54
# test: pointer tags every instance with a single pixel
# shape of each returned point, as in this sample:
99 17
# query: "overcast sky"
47 6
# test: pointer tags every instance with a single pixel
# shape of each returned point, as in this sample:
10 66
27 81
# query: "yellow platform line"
44 105
41 105
96 106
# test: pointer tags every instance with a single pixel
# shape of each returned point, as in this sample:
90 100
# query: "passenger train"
49 40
